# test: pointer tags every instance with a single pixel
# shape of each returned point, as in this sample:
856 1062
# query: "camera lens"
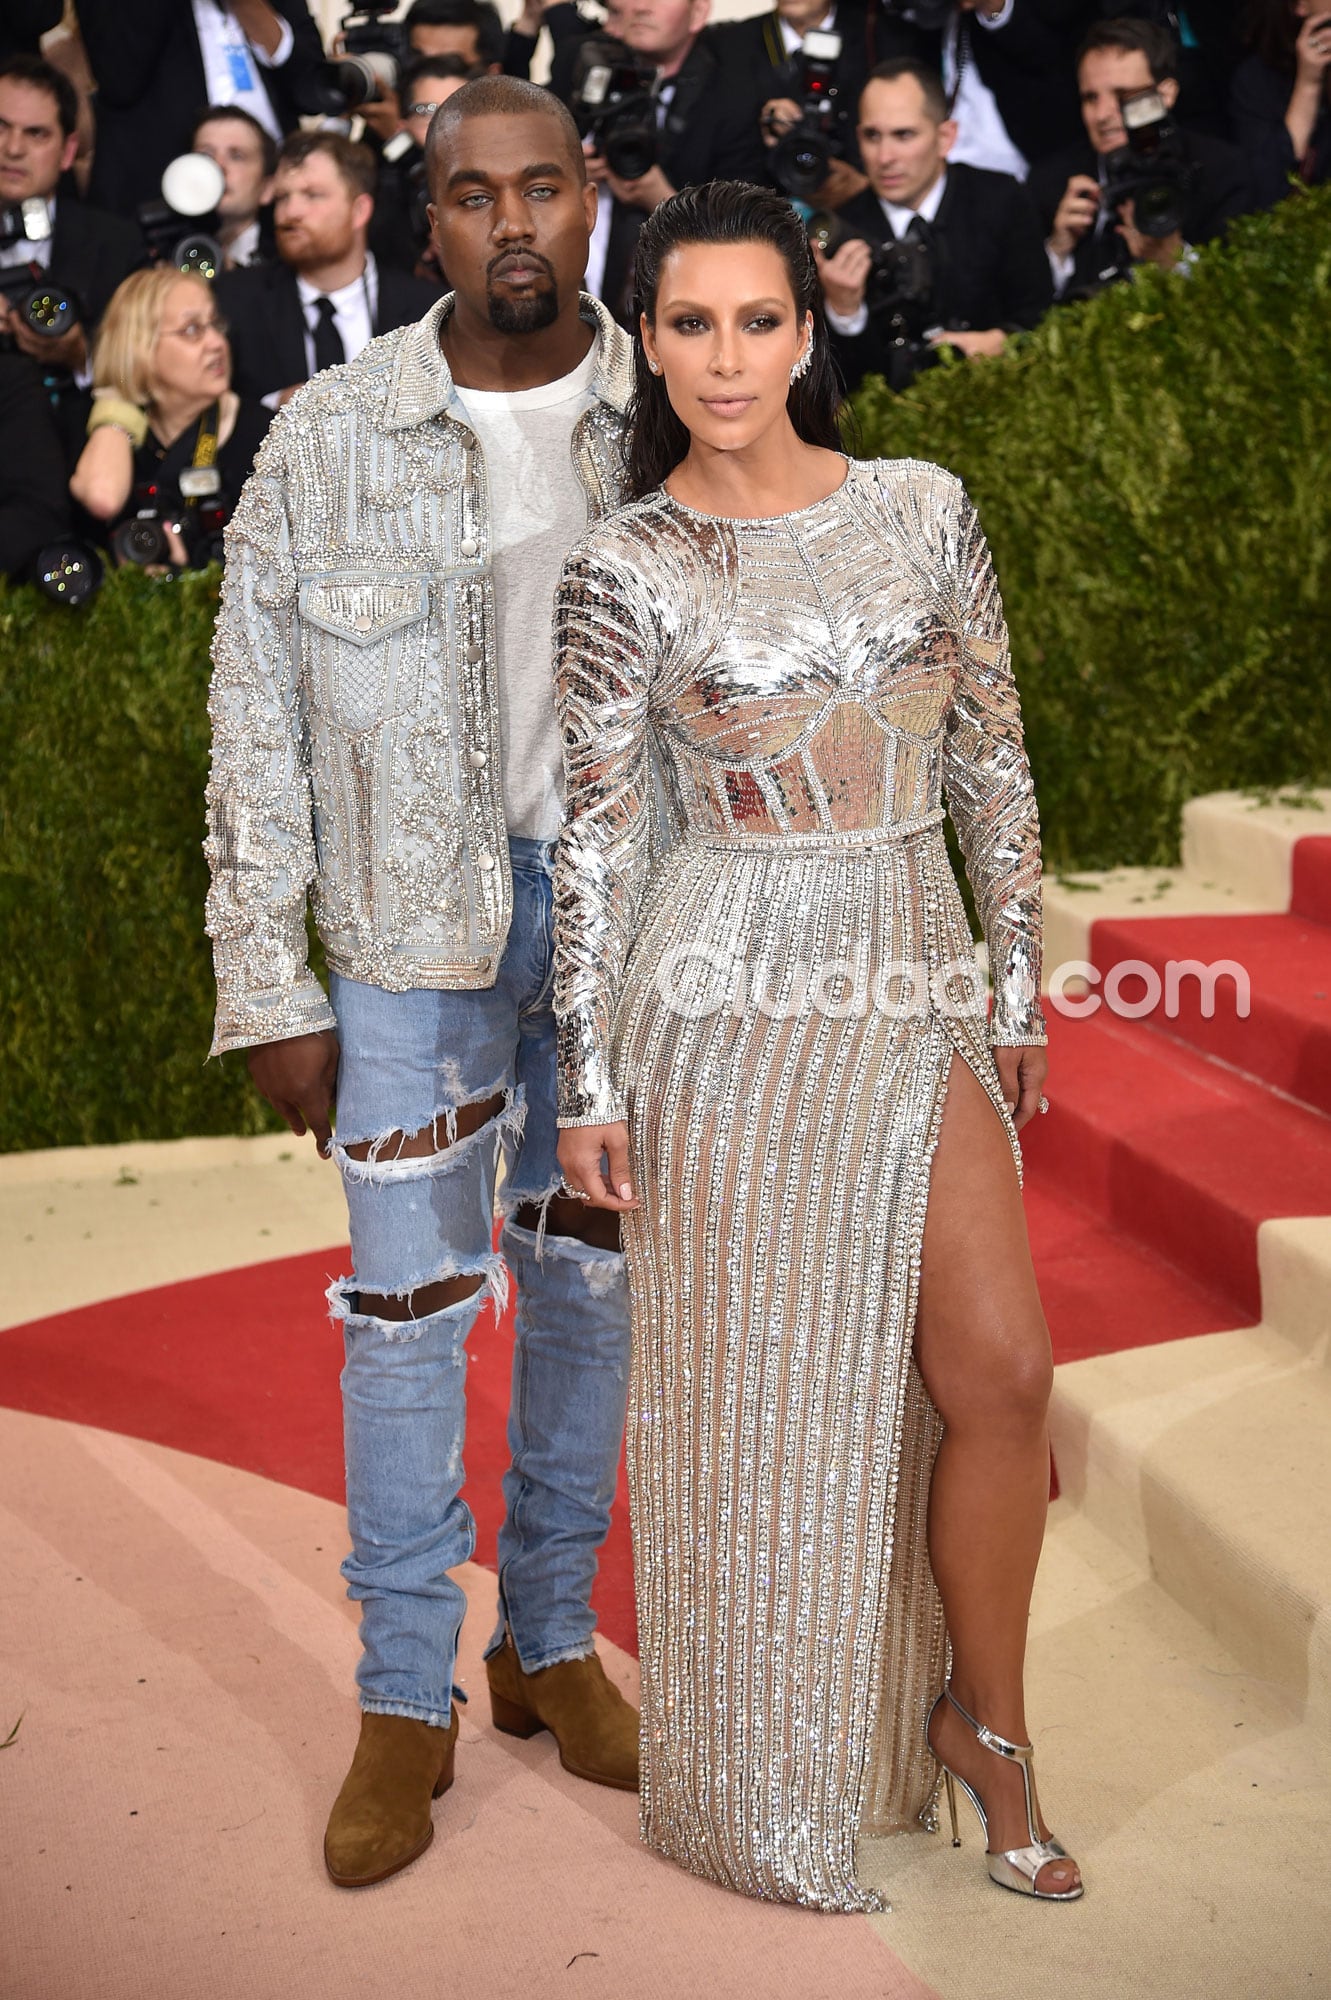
67 572
139 541
49 310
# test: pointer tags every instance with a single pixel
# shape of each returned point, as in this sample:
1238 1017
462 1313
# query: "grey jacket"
354 697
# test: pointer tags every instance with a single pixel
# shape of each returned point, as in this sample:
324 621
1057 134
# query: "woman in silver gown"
774 1063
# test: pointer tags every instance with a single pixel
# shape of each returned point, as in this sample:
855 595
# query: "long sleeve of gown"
991 796
603 665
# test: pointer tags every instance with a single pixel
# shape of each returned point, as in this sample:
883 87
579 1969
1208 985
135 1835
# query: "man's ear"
69 152
362 208
947 136
1168 89
591 203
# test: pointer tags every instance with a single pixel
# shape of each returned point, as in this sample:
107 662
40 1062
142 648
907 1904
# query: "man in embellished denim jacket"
384 742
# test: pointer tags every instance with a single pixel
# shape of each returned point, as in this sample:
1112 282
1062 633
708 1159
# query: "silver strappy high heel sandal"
1018 1867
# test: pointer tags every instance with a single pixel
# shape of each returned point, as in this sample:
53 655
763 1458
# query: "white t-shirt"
538 509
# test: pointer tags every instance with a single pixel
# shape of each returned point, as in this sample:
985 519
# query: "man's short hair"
213 114
477 14
936 101
41 75
1147 38
409 81
502 97
354 162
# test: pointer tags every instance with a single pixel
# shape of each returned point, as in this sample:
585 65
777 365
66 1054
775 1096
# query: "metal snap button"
363 623
485 859
468 546
473 653
477 759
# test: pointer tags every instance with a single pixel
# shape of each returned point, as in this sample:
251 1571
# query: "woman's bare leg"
983 1349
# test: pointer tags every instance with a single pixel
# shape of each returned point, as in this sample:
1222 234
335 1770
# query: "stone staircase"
1204 1143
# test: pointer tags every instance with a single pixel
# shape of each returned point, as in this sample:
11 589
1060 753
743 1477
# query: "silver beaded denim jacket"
354 701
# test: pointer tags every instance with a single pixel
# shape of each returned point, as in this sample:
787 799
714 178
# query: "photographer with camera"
247 156
807 63
935 254
658 112
169 443
60 260
1138 189
400 226
157 61
34 500
1280 96
327 295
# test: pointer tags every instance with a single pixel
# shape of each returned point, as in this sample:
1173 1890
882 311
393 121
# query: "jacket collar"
423 382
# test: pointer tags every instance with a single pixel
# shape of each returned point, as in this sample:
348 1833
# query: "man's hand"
844 276
597 170
530 20
647 192
989 340
1022 1072
299 1078
778 116
1076 214
383 116
580 1161
843 183
1162 251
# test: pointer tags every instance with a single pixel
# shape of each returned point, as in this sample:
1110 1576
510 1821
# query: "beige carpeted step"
1237 858
1207 1460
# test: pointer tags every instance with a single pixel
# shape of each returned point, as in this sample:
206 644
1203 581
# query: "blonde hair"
122 351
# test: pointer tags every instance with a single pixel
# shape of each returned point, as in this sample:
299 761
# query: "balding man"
384 738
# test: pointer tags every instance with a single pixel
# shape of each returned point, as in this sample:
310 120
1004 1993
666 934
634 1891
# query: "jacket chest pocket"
364 641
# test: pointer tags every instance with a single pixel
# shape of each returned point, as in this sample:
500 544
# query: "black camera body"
802 156
199 518
25 222
374 54
181 226
613 100
40 301
1153 170
900 294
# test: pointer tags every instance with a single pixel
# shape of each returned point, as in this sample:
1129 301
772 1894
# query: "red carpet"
1145 1189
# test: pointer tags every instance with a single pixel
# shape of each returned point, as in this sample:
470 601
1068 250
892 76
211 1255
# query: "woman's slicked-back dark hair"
724 212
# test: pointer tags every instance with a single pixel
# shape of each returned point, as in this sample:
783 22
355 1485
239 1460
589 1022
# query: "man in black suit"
979 271
157 61
1088 245
706 129
81 248
326 296
763 55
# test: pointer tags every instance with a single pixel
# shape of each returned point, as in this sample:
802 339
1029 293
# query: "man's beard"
529 315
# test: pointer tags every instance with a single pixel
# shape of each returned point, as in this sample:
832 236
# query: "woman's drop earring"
801 368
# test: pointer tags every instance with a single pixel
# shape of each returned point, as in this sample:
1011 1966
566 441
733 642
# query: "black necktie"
918 228
328 348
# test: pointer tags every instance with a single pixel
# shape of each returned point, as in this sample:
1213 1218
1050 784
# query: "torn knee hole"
426 1300
445 1129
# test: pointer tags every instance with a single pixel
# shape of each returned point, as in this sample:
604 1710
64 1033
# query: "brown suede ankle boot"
595 1728
381 1818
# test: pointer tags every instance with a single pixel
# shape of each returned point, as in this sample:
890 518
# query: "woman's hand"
1022 1073
594 1160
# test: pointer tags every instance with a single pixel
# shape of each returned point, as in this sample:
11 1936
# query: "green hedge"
105 980
1154 472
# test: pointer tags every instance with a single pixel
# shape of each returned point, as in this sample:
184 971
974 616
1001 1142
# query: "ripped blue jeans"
408 1059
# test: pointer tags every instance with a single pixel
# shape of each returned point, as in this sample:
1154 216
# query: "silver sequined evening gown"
811 687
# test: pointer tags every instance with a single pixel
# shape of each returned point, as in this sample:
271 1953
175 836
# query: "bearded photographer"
49 238
684 105
933 254
1093 230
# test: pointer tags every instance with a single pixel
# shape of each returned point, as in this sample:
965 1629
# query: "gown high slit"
773 998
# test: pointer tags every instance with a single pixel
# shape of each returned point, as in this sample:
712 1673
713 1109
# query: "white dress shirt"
898 221
982 137
354 308
795 42
30 249
229 59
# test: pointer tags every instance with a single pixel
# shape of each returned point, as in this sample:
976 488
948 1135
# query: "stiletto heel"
1016 1868
951 1804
